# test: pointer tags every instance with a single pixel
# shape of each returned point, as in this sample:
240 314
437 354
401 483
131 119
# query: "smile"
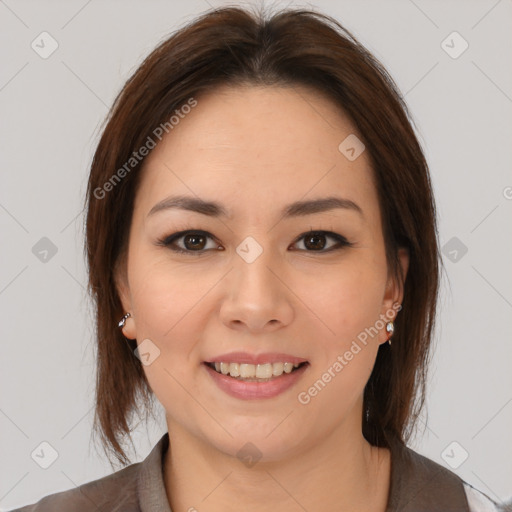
243 381
254 372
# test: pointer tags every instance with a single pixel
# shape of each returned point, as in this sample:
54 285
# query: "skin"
255 150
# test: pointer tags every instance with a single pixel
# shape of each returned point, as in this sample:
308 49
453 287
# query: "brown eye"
189 242
194 241
317 241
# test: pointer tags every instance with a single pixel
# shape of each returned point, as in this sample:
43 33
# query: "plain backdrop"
51 110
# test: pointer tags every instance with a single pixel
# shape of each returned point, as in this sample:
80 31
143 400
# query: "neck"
342 472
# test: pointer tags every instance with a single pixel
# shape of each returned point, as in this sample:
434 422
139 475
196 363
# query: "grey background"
51 110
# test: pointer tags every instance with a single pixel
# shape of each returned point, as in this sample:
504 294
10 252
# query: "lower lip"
255 390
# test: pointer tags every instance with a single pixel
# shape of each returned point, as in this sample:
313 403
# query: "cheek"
172 308
349 302
166 306
346 353
164 297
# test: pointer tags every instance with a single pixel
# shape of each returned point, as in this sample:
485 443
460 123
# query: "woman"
262 250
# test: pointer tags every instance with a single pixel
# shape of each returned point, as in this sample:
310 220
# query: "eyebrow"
214 209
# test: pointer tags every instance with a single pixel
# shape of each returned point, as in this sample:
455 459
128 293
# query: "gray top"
417 484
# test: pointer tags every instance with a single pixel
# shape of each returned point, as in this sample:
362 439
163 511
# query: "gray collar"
150 482
417 484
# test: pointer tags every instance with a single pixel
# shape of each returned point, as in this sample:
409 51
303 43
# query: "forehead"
246 144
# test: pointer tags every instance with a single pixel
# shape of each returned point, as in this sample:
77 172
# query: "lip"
247 358
256 390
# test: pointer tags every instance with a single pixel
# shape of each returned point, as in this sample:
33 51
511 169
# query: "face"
303 285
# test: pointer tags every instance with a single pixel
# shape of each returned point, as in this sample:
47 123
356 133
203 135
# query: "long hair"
235 46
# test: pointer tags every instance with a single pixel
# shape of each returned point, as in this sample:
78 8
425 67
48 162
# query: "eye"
193 242
315 241
196 242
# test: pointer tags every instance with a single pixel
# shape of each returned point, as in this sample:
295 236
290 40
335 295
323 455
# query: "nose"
257 297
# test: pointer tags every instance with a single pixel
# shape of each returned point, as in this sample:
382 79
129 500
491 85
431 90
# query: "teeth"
258 371
288 367
247 371
277 369
234 369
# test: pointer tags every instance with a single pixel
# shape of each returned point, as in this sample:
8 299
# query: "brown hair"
234 46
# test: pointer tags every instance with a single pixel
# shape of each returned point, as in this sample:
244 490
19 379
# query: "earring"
390 327
122 322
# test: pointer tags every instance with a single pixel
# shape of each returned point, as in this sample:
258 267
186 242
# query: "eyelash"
167 241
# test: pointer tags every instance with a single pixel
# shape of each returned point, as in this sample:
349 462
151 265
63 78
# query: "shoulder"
137 486
421 484
114 492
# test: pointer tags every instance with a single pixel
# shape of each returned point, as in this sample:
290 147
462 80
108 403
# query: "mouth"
245 381
255 372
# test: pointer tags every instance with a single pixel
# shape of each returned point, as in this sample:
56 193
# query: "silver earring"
122 322
390 327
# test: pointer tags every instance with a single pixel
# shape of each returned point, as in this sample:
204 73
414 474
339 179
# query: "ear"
123 290
394 293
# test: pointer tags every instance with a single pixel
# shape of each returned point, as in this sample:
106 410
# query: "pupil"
194 240
318 245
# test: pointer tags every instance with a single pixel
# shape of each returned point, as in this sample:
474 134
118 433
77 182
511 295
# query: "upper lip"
247 358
